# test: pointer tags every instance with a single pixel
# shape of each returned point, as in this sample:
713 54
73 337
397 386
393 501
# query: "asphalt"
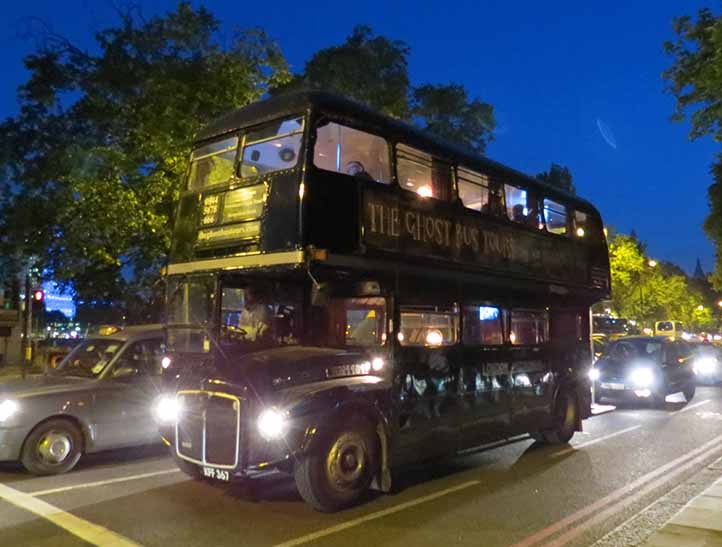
618 483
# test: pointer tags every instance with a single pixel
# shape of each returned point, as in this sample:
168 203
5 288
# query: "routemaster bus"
347 294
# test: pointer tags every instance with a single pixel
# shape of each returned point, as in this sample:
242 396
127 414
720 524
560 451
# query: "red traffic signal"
38 295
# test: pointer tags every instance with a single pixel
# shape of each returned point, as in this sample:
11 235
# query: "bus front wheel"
338 471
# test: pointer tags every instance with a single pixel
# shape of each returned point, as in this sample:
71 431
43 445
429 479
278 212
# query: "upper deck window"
555 216
212 163
346 150
517 207
421 173
272 147
473 189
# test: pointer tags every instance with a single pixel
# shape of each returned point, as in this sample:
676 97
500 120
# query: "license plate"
217 474
606 385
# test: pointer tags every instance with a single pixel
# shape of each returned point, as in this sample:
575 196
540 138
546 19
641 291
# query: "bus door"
485 376
531 374
430 411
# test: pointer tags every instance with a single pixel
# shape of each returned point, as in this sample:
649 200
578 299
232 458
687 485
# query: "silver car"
100 397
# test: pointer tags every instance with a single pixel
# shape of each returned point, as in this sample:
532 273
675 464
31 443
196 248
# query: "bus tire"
338 471
689 390
566 416
52 448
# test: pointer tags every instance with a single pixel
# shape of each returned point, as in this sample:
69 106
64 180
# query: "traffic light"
38 295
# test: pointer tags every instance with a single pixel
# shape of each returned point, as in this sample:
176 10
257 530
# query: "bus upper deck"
313 170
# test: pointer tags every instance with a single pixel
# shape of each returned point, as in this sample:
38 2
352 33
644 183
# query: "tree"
374 70
695 79
558 176
91 167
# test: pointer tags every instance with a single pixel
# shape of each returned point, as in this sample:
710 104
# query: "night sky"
572 84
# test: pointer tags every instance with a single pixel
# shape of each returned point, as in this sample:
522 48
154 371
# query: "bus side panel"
280 229
332 211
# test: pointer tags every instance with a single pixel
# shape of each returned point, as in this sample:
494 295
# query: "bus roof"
297 103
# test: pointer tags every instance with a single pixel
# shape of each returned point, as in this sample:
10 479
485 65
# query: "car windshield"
624 350
90 358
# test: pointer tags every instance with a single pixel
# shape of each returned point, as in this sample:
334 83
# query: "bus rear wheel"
565 421
338 472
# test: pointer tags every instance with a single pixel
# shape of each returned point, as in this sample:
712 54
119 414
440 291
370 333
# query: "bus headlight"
8 409
167 409
272 424
594 374
642 377
705 365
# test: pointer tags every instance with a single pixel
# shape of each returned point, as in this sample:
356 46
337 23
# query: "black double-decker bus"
347 294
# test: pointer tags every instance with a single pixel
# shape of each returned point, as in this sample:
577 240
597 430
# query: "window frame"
300 157
483 177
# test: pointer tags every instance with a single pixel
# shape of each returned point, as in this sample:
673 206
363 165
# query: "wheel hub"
54 447
346 461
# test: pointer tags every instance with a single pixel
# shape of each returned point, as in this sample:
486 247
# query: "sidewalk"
699 523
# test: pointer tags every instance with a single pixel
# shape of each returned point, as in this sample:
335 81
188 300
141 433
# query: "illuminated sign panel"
244 203
232 215
245 230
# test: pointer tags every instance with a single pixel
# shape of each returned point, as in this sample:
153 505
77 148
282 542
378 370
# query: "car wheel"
565 420
339 470
689 391
53 447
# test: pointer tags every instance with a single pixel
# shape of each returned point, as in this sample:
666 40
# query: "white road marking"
85 530
690 407
593 441
103 483
373 516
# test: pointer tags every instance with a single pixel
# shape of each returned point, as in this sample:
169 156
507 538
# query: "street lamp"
700 307
651 263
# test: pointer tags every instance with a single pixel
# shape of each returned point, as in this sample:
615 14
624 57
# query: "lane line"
103 483
690 407
576 447
626 502
85 530
373 516
567 521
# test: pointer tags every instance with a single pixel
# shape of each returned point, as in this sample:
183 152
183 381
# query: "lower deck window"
358 321
482 326
529 327
428 327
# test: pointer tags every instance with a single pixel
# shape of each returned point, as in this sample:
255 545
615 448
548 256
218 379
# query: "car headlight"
642 377
7 409
594 374
167 409
705 365
272 424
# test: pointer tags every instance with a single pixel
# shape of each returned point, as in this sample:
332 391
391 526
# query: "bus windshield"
271 147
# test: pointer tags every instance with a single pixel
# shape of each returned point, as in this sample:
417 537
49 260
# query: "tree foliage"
654 293
558 176
695 79
91 167
374 70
